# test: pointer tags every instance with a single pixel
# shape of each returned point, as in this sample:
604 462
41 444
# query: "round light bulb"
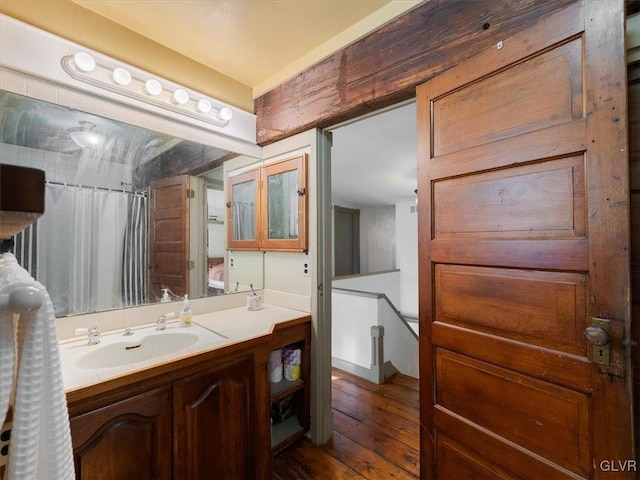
84 62
121 76
204 106
153 87
180 96
225 114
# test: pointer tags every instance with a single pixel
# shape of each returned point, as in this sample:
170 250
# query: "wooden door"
169 236
130 439
523 204
212 421
346 241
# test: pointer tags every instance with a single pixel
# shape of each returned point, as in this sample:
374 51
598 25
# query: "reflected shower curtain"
81 248
243 221
134 261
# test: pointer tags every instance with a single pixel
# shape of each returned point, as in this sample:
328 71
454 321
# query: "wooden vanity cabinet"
201 417
206 420
212 417
127 439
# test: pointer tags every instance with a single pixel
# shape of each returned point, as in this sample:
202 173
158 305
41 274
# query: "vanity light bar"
82 66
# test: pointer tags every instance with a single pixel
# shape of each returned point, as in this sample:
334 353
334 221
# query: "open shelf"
291 397
285 433
284 388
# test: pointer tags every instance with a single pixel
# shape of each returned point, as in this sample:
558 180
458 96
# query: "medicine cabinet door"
284 196
242 211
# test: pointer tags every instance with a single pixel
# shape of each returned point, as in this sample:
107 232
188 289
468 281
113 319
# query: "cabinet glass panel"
244 210
283 205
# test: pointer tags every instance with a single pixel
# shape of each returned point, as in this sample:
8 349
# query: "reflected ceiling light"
180 97
121 76
84 62
86 135
153 87
225 114
203 106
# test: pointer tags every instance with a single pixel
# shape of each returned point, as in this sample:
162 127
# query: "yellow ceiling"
247 40
233 50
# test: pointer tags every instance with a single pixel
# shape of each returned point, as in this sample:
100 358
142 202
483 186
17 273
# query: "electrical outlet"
306 268
5 435
230 261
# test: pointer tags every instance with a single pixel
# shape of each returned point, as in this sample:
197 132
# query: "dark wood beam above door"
384 67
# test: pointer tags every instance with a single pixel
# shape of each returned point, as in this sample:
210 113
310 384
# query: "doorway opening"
374 283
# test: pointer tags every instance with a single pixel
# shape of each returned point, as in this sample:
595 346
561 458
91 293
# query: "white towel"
40 446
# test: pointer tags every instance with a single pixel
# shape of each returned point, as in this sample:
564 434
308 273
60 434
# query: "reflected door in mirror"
169 236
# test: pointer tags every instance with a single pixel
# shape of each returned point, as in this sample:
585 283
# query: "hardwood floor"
375 434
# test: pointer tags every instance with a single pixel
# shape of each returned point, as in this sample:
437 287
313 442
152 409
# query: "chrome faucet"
92 332
162 319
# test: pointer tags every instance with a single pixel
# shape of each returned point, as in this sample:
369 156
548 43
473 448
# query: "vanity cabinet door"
130 439
212 415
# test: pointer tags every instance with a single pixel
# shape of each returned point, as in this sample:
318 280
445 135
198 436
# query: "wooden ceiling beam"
384 67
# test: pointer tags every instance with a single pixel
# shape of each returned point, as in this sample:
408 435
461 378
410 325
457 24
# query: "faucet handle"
94 334
162 318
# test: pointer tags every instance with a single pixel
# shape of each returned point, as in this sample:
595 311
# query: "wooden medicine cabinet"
267 207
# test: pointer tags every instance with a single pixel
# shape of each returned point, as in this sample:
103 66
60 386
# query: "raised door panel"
212 422
130 439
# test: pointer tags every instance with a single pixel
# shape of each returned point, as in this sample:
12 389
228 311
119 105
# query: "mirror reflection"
128 211
283 205
244 210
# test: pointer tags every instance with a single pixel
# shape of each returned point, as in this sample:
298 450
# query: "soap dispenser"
185 314
165 296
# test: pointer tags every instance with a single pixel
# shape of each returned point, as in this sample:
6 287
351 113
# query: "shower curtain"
134 261
81 248
243 221
89 249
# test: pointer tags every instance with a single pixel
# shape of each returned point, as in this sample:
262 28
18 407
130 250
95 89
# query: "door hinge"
321 289
191 193
191 264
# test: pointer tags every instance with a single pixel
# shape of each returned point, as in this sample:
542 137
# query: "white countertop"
236 324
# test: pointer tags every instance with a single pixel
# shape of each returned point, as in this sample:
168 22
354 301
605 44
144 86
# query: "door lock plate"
600 353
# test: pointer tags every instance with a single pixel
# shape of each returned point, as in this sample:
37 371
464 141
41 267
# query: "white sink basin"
127 352
142 347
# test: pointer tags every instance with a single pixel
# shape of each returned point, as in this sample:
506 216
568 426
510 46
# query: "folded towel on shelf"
40 445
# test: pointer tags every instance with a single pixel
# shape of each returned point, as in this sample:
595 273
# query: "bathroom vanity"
204 414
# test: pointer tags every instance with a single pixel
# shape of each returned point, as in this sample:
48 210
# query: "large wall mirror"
128 211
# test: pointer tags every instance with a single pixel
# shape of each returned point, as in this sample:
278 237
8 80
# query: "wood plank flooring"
375 434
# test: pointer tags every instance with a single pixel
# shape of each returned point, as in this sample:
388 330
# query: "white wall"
407 257
352 319
377 239
387 283
216 246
